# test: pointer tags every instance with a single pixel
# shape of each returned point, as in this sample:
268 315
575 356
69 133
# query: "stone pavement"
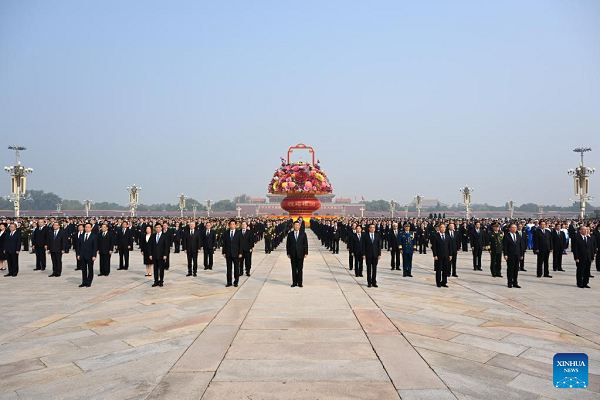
333 339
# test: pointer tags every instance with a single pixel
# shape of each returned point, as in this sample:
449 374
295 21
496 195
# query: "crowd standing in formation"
364 239
92 239
503 239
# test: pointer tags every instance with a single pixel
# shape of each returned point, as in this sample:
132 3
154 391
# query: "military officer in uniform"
495 241
407 244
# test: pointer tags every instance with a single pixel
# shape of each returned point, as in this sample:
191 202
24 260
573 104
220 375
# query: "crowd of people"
92 239
506 239
156 238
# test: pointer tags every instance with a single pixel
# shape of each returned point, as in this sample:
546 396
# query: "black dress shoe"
188 274
228 285
8 275
510 286
409 275
547 276
37 269
154 284
100 274
517 286
499 276
160 284
454 275
368 285
88 285
82 285
195 274
591 276
51 276
393 268
248 274
561 270
374 285
77 269
444 285
587 287
235 285
293 285
300 286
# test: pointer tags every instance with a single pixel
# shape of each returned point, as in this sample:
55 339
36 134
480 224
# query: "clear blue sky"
397 98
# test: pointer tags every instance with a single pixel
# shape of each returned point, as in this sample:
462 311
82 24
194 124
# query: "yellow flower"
319 177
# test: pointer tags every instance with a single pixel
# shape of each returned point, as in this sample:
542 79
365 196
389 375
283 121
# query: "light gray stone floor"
332 339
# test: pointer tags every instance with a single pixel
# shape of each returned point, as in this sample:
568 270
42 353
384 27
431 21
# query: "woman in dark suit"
145 242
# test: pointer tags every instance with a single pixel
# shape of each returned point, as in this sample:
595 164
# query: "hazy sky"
397 98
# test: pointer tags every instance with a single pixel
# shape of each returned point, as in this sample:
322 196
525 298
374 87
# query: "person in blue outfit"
406 244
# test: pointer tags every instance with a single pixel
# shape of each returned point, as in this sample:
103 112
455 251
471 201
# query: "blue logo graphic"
570 370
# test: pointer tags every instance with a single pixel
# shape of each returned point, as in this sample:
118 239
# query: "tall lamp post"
58 207
208 207
182 198
134 198
419 204
362 212
239 210
466 192
406 211
582 183
511 208
257 210
19 179
87 204
344 210
392 207
195 208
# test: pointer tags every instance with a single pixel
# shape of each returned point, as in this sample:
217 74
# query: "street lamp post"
406 211
182 198
257 210
58 207
392 207
419 204
239 209
466 192
19 179
511 208
208 207
87 204
344 210
362 212
582 183
134 198
195 208
540 210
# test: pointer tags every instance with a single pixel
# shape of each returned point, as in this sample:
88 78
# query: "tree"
223 205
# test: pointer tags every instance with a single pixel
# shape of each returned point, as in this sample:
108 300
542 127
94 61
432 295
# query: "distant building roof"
428 203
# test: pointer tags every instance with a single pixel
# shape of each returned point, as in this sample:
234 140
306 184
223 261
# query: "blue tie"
54 234
296 234
231 236
157 237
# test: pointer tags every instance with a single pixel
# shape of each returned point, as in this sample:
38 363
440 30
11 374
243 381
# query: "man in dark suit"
39 244
160 248
441 256
522 235
192 243
455 244
357 250
209 245
168 232
477 239
350 232
583 248
559 243
12 247
86 252
105 248
57 245
393 244
372 255
232 251
542 246
124 245
247 248
75 238
297 251
512 247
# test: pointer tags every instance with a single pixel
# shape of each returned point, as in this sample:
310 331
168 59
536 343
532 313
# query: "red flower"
301 177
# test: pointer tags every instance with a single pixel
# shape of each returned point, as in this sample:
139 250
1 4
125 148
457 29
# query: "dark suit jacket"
542 241
357 247
441 249
559 240
512 248
88 248
124 239
12 244
454 242
247 242
477 240
232 248
58 244
393 240
105 243
582 251
40 237
75 240
160 249
297 248
192 243
372 249
209 240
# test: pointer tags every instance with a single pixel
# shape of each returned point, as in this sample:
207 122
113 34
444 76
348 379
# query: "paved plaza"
333 339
